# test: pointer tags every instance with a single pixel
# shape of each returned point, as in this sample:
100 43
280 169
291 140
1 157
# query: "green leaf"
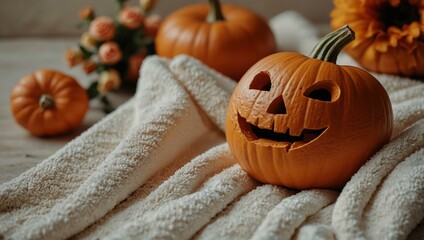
101 67
85 52
92 90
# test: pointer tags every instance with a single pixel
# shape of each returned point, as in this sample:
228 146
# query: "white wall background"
23 18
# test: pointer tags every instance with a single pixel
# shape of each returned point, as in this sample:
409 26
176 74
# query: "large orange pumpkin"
306 122
389 34
230 41
48 102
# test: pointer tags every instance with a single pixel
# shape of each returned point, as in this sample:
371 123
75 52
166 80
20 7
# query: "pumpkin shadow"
68 136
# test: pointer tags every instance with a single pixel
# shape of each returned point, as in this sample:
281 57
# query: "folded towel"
162 126
159 168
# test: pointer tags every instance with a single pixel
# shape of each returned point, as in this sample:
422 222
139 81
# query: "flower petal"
374 27
381 42
414 29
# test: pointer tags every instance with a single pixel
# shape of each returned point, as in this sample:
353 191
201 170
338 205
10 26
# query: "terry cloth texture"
159 168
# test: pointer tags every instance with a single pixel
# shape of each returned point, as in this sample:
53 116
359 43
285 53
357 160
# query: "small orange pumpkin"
48 102
306 122
389 34
230 41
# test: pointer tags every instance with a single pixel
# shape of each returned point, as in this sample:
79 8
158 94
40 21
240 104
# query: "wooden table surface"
19 150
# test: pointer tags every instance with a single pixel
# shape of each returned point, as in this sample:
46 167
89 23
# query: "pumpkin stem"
46 101
332 44
215 12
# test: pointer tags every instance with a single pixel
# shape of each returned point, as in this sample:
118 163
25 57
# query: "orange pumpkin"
306 122
230 41
48 102
389 34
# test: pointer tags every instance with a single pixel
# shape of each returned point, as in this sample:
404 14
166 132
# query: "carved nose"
277 106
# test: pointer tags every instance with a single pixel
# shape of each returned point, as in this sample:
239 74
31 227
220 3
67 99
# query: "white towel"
159 168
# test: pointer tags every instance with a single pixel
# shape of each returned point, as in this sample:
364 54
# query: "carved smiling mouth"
253 132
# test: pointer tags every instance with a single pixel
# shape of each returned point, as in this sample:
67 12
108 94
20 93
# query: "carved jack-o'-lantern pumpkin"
306 122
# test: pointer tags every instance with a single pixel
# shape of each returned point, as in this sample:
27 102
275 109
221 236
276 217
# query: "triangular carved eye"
261 81
277 106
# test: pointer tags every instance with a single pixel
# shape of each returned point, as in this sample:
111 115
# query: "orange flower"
110 53
87 13
74 56
134 64
89 66
151 24
389 34
108 80
130 17
102 29
147 5
87 41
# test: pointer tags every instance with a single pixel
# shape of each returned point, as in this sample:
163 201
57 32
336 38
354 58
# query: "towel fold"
159 168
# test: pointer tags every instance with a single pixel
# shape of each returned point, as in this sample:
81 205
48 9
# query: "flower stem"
46 101
215 12
332 44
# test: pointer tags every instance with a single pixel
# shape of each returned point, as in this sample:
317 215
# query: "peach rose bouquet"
114 47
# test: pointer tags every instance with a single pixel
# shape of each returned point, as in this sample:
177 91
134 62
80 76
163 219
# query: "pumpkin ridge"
179 41
276 169
203 33
374 86
195 28
250 35
289 99
43 79
220 31
30 84
56 78
63 92
61 83
34 119
172 26
313 70
257 45
24 100
20 93
23 114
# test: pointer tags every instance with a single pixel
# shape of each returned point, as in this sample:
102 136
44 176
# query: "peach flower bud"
89 66
87 41
130 17
109 53
147 5
102 29
151 24
87 13
134 64
108 80
74 56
